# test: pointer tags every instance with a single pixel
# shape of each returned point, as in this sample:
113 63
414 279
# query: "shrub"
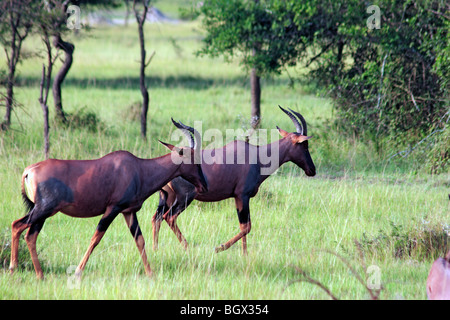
5 252
88 120
427 240
389 84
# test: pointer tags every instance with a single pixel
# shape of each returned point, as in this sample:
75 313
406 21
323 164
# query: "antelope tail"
29 205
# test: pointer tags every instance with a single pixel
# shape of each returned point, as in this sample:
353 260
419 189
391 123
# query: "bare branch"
7 55
312 281
319 54
150 58
406 152
381 81
41 89
439 14
414 100
45 112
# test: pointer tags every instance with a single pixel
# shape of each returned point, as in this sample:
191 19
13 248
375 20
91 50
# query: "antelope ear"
282 132
167 145
300 138
171 147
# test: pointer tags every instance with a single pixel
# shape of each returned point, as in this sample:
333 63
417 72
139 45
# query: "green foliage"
437 159
85 119
294 218
391 83
425 241
388 82
5 251
262 33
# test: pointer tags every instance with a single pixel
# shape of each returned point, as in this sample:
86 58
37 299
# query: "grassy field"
399 216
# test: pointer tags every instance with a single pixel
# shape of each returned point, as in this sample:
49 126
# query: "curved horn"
195 133
302 120
298 126
186 132
194 139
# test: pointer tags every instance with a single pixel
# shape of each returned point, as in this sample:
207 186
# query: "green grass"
295 220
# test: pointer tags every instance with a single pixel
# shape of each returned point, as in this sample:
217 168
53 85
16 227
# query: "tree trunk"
255 89
127 12
9 99
144 91
255 98
43 103
68 49
16 15
45 88
10 85
145 97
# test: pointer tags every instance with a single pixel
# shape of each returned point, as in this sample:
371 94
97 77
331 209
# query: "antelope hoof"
11 270
149 274
220 248
78 274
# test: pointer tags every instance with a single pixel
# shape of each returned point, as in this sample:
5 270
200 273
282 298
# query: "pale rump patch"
28 184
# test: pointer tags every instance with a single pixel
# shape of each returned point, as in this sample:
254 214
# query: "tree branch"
312 281
41 87
150 59
439 14
318 55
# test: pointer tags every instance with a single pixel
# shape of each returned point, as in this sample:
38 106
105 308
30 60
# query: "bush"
5 251
390 82
427 240
85 119
438 158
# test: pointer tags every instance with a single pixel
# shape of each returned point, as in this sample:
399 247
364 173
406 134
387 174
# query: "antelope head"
189 157
297 150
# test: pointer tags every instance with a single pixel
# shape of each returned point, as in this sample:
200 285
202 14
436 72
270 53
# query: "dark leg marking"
133 225
105 221
158 217
243 210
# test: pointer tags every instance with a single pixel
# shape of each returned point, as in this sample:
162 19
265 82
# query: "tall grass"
294 218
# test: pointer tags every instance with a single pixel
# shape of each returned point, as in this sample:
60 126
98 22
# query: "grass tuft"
426 240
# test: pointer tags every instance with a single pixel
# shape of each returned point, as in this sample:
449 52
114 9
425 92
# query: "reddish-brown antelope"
438 282
239 179
117 183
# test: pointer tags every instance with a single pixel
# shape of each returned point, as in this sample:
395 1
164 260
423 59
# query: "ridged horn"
302 120
189 132
298 126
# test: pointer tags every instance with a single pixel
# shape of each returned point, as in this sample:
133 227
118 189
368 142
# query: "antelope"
117 183
238 181
438 282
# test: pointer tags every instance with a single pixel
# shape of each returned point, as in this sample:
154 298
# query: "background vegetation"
393 206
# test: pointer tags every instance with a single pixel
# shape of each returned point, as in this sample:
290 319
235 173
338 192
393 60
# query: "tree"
386 64
263 33
55 20
68 49
57 26
52 23
46 24
391 79
48 18
140 18
16 20
43 102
